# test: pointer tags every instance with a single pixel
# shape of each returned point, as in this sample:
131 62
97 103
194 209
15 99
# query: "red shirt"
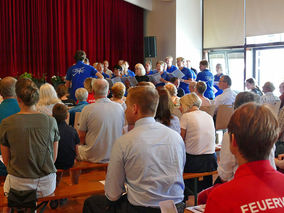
256 187
91 98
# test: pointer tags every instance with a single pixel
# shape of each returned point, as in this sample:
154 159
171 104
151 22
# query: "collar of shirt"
254 168
143 121
9 100
102 100
269 93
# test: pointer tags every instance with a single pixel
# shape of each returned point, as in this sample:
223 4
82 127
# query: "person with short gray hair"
200 88
81 95
9 106
101 124
268 97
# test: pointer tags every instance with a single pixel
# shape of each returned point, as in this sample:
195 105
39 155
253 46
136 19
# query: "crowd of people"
149 126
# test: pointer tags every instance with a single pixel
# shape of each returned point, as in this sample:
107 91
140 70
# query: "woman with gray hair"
200 88
198 133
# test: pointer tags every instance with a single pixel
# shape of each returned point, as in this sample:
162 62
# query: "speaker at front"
150 48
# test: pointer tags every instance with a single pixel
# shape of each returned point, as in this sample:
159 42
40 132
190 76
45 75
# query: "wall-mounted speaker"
150 48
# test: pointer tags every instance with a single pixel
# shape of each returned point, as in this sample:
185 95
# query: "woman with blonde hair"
140 73
173 93
47 99
198 132
88 86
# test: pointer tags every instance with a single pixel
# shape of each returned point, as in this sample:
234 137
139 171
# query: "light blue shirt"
103 122
149 160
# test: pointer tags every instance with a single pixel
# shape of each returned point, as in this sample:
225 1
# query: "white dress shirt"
149 159
228 163
268 98
226 98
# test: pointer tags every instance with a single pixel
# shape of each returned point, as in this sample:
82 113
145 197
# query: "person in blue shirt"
206 76
148 68
100 69
127 72
217 77
9 106
77 73
164 76
188 75
170 66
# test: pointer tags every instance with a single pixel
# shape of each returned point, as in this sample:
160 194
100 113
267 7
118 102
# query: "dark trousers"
100 204
198 164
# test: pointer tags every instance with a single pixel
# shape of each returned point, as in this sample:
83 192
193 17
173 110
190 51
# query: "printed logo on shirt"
78 71
263 205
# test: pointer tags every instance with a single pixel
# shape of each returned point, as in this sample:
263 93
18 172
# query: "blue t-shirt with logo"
77 75
208 78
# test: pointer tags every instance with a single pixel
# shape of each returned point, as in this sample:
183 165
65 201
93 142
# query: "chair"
209 109
274 107
77 120
223 116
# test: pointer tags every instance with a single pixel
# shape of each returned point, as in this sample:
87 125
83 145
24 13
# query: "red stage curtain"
42 36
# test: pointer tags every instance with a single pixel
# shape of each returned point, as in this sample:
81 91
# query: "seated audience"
171 88
148 160
30 163
199 90
257 186
198 133
189 75
62 93
47 99
9 106
106 69
206 76
81 95
101 124
228 96
88 86
140 73
251 85
118 91
163 113
268 97
281 90
69 138
176 82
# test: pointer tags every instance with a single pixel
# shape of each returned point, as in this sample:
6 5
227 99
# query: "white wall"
161 22
189 30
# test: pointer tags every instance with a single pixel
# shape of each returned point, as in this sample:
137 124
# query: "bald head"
100 87
7 87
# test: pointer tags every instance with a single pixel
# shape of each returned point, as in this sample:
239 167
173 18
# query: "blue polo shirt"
171 69
8 107
152 72
187 75
105 75
130 74
216 83
77 75
208 78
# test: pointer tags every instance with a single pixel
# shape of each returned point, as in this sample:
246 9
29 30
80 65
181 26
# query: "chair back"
223 116
77 120
209 109
275 106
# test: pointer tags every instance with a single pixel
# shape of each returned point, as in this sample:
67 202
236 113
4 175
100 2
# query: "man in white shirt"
101 124
148 160
268 97
228 96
